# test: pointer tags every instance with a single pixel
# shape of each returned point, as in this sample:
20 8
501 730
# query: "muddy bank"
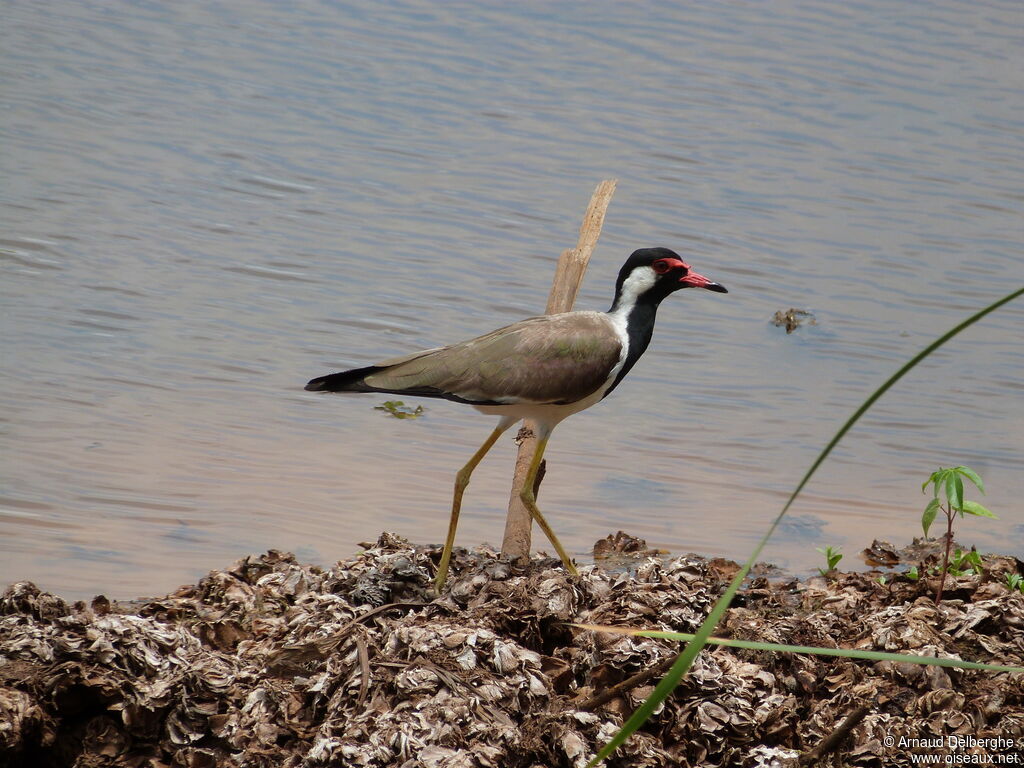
275 663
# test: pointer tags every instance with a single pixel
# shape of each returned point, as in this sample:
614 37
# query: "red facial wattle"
689 280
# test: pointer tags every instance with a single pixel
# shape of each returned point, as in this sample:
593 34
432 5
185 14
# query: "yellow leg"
461 481
530 502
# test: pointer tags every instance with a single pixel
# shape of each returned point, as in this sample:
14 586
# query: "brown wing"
550 359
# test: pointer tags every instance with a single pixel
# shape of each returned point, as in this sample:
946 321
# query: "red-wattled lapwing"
543 368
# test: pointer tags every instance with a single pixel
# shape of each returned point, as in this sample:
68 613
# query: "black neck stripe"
639 330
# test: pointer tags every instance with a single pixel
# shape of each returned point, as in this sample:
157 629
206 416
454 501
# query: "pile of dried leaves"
276 663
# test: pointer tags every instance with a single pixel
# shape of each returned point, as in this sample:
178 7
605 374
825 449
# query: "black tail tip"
343 381
316 385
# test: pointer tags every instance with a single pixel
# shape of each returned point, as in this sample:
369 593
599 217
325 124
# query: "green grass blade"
685 660
700 638
848 653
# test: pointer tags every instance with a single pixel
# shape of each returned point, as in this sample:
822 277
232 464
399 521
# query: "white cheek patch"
640 281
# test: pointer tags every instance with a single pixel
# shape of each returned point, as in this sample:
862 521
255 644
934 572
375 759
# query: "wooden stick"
832 742
620 689
568 276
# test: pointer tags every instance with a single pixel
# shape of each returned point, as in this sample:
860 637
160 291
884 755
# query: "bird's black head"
654 273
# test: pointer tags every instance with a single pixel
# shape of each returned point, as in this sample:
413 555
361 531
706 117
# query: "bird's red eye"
661 266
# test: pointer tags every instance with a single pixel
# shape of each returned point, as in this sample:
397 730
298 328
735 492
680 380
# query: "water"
203 206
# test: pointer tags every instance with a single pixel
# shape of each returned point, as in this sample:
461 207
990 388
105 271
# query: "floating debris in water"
399 409
792 319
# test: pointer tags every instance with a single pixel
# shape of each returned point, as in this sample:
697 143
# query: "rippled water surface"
204 205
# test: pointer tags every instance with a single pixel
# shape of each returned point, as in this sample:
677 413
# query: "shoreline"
278 663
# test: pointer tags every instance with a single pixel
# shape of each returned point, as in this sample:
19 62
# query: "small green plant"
964 563
832 558
950 483
960 564
1015 582
399 410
